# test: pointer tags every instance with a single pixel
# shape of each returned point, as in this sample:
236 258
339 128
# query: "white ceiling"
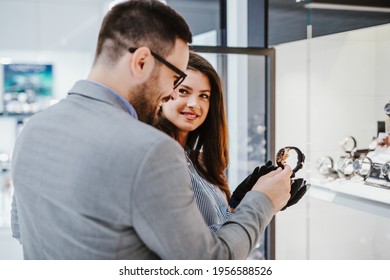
50 25
72 25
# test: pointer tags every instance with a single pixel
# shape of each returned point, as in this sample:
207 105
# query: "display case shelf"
353 193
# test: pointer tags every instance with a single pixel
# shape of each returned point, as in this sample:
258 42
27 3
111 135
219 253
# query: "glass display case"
330 87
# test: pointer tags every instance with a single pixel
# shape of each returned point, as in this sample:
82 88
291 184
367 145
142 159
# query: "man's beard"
145 101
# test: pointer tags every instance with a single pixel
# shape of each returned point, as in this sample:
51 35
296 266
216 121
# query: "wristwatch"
283 153
376 170
362 166
348 144
324 164
387 108
345 166
385 170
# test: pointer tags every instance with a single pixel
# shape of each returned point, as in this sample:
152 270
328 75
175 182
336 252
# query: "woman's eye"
183 91
205 96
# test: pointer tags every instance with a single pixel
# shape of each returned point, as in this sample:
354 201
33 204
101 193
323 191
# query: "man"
93 181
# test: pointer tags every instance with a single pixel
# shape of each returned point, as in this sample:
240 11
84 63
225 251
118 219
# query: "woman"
197 120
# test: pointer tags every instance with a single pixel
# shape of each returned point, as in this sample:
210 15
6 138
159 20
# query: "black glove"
298 190
249 182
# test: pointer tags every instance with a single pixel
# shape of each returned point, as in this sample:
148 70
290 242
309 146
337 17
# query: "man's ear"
142 63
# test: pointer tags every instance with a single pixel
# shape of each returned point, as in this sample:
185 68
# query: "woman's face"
189 110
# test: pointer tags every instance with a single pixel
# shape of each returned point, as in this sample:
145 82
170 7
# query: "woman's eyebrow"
186 87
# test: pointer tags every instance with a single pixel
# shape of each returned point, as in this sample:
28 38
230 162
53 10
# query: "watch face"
386 168
348 144
281 156
292 156
376 170
387 109
345 165
357 165
324 164
340 163
366 166
348 168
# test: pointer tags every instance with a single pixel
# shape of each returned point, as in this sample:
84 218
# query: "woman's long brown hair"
208 143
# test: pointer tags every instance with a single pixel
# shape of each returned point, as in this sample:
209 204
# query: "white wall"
327 88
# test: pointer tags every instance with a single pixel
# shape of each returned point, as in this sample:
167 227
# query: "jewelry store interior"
306 74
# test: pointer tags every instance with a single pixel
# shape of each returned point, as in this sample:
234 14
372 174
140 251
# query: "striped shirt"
213 205
210 199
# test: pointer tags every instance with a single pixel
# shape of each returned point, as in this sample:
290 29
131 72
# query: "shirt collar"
130 109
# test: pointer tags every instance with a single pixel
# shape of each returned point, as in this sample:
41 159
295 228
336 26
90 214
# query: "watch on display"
348 144
283 154
376 170
325 166
345 166
387 108
362 166
385 170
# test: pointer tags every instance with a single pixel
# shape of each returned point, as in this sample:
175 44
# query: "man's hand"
276 185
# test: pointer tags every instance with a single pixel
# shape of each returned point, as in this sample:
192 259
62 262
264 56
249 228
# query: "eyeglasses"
181 74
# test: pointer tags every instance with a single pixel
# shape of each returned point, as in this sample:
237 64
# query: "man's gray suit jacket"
92 182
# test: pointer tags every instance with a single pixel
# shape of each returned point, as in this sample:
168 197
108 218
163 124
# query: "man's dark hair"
137 23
